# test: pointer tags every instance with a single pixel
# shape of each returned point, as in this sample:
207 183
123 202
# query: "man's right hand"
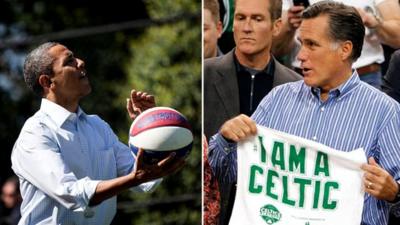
294 17
146 172
138 102
238 128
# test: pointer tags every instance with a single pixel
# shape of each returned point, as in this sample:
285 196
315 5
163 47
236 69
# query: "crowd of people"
283 51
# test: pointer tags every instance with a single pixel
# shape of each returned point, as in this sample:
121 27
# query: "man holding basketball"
71 165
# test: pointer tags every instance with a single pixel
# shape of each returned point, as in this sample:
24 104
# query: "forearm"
389 33
109 188
222 159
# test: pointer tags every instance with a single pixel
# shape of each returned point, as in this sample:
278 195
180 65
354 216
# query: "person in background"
212 28
381 19
391 80
70 164
11 198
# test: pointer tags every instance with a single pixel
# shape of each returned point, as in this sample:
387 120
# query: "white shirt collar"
58 113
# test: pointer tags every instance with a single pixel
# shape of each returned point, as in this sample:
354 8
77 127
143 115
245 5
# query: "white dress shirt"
60 157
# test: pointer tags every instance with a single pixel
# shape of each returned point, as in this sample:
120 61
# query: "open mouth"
306 70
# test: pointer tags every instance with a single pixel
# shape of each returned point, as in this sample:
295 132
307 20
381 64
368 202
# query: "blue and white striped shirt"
354 115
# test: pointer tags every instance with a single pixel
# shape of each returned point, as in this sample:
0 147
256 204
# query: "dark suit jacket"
391 81
221 91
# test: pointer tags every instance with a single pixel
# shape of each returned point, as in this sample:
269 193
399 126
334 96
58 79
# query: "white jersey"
372 51
287 180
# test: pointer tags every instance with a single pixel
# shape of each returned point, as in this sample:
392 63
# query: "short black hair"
345 23
38 62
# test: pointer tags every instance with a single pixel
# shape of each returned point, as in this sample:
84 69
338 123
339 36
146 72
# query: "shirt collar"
58 113
269 69
343 89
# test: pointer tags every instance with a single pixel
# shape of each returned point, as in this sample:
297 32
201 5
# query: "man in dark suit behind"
391 80
236 82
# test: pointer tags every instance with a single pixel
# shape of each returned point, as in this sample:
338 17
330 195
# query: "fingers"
141 100
238 128
167 160
170 164
139 158
378 182
295 22
369 177
373 167
378 189
294 16
372 161
296 10
178 164
138 102
131 112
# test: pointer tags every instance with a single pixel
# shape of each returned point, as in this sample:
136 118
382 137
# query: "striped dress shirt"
355 115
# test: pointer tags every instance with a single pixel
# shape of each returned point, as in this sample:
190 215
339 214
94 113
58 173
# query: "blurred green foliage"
166 62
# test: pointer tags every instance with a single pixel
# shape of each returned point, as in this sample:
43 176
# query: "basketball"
160 131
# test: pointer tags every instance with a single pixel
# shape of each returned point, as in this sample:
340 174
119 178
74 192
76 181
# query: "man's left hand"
138 102
368 18
378 182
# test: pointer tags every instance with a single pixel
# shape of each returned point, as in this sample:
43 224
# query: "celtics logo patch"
270 214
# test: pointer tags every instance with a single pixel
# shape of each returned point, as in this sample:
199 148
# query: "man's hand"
138 102
294 17
368 19
146 172
143 173
378 182
238 128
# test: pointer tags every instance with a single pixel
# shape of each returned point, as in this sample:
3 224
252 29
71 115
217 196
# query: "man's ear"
219 29
276 27
346 48
45 81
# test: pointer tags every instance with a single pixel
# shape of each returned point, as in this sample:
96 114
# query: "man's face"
319 55
70 80
9 195
252 27
212 32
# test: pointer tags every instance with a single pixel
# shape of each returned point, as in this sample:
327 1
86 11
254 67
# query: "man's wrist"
226 144
397 196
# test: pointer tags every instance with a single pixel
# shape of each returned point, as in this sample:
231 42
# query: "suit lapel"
226 85
279 75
